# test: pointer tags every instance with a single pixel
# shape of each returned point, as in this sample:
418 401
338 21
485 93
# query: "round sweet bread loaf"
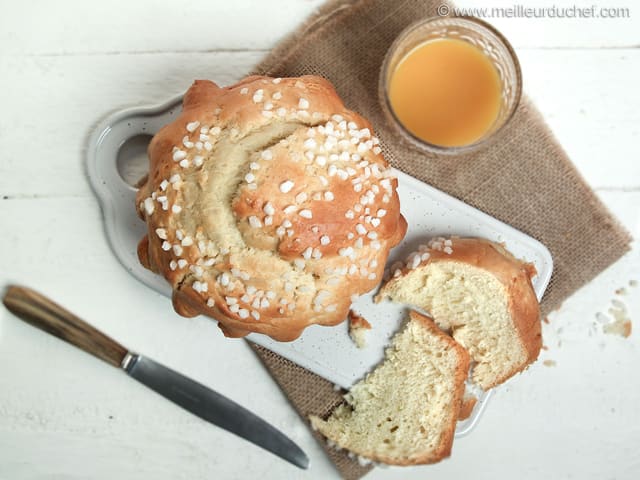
269 206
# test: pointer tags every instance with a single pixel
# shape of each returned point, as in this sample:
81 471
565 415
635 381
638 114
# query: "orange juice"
446 92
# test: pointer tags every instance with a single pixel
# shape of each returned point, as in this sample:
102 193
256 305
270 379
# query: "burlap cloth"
525 179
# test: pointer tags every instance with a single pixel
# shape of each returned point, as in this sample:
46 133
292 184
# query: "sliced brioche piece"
358 328
404 412
482 294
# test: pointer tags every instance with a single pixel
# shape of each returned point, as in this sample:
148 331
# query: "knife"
46 315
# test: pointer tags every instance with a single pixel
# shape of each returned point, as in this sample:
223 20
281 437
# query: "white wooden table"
63 415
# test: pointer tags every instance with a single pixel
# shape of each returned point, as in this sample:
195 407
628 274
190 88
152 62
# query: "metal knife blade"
43 313
213 407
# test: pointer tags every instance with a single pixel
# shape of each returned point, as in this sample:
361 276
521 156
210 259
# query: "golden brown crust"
468 404
309 210
462 370
358 325
358 321
143 252
513 273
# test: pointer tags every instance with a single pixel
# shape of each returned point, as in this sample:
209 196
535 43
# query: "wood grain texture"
199 26
64 65
43 313
591 118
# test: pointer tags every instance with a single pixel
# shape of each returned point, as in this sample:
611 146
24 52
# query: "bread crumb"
620 326
546 320
633 283
621 291
468 404
549 363
358 327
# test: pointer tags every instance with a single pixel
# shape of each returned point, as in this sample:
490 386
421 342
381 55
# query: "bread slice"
482 294
404 412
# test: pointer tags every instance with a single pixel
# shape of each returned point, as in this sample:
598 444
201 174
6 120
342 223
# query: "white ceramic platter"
116 158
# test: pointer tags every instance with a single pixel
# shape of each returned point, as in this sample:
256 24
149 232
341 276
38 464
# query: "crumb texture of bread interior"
474 305
358 336
404 412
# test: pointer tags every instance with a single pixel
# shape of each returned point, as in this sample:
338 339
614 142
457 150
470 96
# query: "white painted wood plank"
63 412
66 64
147 25
145 453
56 401
625 206
541 29
163 26
51 104
589 99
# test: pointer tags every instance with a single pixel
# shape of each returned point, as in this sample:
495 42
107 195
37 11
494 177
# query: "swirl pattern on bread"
269 206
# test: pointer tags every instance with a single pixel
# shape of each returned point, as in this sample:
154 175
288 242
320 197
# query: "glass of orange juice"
450 84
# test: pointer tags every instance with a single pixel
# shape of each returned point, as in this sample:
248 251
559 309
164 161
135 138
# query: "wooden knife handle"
46 315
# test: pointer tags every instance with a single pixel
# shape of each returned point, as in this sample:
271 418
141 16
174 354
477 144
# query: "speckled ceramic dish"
116 158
